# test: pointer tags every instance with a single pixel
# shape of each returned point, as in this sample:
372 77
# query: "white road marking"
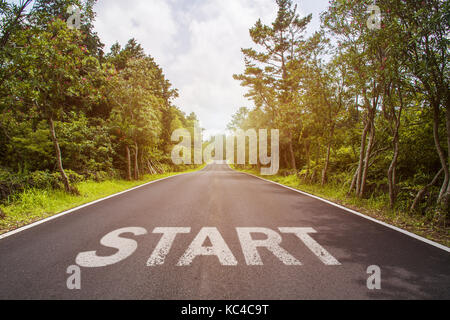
272 243
125 246
164 245
218 248
317 249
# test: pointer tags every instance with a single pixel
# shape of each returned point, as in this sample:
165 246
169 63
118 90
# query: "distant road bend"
218 234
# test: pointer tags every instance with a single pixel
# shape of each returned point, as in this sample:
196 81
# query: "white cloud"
151 22
197 43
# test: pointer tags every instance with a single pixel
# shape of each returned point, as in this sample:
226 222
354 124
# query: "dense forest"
366 109
69 111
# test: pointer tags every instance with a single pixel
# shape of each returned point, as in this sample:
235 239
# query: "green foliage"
37 203
362 110
67 108
11 183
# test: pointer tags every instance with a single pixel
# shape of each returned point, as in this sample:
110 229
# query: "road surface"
240 252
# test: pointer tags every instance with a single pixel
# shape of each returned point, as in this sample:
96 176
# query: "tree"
321 89
135 115
119 57
12 20
45 11
369 108
12 16
64 105
266 72
346 20
424 28
54 72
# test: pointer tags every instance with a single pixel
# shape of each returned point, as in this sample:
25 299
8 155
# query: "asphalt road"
34 262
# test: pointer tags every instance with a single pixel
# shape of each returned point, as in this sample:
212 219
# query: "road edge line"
58 215
413 235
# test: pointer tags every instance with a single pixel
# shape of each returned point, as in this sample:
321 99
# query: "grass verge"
373 207
36 204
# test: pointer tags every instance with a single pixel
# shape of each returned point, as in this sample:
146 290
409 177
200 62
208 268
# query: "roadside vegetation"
363 112
77 122
426 226
35 204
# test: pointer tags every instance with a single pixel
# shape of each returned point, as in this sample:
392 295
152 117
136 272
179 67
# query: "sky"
198 45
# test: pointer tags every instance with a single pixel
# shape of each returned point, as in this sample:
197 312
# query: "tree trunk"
446 197
128 163
393 166
159 167
422 192
285 159
327 161
367 159
440 151
361 157
308 158
391 173
150 167
353 183
156 166
291 153
136 162
65 179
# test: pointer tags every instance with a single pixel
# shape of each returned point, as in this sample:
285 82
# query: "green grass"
36 204
376 207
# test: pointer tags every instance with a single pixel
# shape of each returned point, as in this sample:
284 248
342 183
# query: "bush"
73 176
47 180
9 183
286 172
42 180
100 176
12 183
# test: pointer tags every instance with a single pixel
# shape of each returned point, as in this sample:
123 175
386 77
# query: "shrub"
42 180
10 183
13 183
